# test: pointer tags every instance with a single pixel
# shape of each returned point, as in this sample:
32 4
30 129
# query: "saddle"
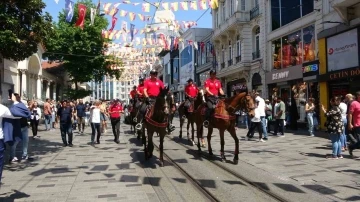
149 114
220 112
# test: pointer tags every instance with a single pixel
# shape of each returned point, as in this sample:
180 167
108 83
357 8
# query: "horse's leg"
236 139
199 132
162 135
142 133
210 131
192 131
150 143
181 125
222 132
187 129
143 136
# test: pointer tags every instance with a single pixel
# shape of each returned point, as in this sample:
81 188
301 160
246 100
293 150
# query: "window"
257 40
231 7
238 46
122 96
294 49
223 54
122 90
256 3
128 83
223 9
230 51
122 83
243 7
284 12
217 18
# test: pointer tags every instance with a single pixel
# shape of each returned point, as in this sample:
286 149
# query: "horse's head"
243 100
161 100
250 105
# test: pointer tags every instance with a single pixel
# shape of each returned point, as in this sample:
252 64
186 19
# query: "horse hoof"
236 161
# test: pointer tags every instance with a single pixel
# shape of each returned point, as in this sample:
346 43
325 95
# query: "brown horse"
156 120
224 119
200 99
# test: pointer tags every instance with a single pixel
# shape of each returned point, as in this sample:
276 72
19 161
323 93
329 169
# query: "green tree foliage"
82 50
23 26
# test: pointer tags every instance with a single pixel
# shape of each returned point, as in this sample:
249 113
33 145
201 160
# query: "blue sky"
190 15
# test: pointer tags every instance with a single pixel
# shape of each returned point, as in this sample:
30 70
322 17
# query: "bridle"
243 102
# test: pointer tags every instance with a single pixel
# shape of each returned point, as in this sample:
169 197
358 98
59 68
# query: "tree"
82 50
22 28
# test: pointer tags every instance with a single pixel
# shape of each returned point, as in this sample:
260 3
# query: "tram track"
208 194
235 174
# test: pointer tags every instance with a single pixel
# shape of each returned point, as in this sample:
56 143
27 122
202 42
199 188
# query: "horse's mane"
159 114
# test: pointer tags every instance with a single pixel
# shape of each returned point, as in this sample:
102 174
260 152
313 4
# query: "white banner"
342 51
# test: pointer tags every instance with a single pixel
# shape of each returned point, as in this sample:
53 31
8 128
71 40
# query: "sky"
191 15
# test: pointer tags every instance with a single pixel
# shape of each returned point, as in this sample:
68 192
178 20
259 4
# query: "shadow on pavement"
16 195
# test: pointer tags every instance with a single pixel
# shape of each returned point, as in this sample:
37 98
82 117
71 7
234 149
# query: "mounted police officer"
191 91
213 89
152 88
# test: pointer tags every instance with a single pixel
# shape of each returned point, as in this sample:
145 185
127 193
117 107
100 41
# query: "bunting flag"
107 8
165 5
175 6
112 34
92 15
132 16
124 26
118 34
214 4
193 5
113 23
141 17
114 9
126 2
98 7
136 31
184 5
104 34
123 13
146 7
202 4
69 10
82 12
157 4
57 1
124 35
137 41
132 27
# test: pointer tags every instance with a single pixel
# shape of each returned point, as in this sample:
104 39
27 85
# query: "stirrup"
138 126
172 127
135 119
206 123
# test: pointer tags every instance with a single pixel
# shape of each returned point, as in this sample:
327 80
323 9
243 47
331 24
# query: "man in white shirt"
262 107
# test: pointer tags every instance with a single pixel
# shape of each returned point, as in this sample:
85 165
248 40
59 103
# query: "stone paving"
105 172
297 159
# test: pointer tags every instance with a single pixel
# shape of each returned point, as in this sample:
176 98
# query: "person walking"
95 122
354 122
18 109
255 123
262 107
115 111
334 126
53 114
65 115
47 114
34 119
280 117
343 139
309 109
268 113
81 115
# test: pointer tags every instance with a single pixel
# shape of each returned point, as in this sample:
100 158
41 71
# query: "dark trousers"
115 124
34 126
356 137
66 128
279 126
253 126
2 151
95 128
210 103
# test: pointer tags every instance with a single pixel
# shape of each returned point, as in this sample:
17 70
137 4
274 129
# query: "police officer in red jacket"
213 89
152 88
115 111
191 91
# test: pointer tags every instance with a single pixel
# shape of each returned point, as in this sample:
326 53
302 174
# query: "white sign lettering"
280 75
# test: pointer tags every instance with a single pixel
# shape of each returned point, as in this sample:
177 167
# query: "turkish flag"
82 12
113 22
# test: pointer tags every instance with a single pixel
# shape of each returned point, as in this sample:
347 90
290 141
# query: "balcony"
229 24
344 3
238 59
256 55
230 62
254 12
222 65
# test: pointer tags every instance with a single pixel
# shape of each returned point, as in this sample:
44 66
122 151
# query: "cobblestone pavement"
296 159
105 172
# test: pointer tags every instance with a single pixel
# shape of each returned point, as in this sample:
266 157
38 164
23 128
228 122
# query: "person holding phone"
35 117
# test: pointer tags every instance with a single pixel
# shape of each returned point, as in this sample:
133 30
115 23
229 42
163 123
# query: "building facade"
205 60
32 78
188 54
239 39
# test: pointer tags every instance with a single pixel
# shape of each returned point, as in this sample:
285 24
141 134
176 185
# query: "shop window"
309 43
276 52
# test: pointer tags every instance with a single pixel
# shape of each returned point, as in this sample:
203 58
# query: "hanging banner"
69 10
82 13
